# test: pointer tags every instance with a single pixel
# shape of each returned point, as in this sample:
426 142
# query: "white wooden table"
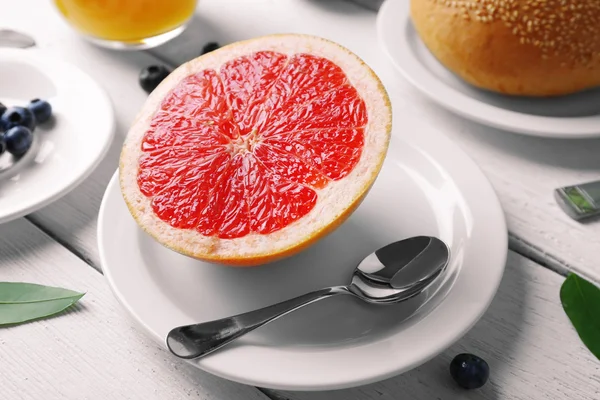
96 352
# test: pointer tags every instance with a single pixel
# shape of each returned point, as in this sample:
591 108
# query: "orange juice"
126 20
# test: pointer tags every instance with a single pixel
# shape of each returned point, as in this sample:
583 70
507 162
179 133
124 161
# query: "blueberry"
469 371
2 144
17 116
18 140
210 46
2 109
41 109
152 75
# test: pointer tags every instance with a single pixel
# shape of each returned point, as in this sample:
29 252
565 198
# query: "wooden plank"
93 351
526 338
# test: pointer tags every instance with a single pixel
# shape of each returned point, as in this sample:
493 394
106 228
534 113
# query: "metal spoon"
394 273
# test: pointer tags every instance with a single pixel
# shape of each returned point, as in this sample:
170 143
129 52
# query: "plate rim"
60 191
497 237
472 109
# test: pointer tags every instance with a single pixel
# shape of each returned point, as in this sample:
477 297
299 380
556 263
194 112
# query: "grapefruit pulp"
254 151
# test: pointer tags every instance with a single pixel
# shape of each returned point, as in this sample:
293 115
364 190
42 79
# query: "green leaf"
21 302
581 301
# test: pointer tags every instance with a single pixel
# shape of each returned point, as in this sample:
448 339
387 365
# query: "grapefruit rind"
336 201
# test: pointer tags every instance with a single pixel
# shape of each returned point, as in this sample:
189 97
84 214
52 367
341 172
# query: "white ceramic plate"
574 116
66 149
427 186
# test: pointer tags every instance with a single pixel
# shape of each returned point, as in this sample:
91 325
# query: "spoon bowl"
400 270
394 273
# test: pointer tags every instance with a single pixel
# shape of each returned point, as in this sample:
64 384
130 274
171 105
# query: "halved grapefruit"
254 151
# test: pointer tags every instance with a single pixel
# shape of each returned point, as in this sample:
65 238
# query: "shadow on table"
339 6
495 338
577 154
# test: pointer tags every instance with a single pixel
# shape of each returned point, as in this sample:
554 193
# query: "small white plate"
67 148
573 116
427 186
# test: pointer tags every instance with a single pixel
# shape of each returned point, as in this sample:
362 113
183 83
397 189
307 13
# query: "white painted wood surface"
93 351
523 170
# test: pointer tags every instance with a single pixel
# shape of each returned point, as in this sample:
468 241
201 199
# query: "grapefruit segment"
251 198
275 202
248 81
227 216
339 108
289 167
201 98
305 78
252 152
178 131
186 193
334 152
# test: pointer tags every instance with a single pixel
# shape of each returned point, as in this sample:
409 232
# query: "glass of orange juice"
127 24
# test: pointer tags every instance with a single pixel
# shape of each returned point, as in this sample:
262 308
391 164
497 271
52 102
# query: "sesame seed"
555 25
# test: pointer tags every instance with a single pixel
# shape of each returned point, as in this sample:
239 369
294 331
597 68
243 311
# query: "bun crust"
515 47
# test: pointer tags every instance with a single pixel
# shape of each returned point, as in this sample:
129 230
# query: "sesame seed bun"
515 47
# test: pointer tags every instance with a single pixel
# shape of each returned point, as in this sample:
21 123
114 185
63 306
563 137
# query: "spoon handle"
197 340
